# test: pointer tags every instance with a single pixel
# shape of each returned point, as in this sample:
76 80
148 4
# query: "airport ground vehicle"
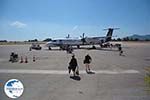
35 46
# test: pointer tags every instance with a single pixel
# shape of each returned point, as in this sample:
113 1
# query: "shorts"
73 68
86 62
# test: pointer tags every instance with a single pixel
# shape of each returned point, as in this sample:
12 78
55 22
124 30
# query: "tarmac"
113 77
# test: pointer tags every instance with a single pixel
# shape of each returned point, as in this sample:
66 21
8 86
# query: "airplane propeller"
83 38
68 36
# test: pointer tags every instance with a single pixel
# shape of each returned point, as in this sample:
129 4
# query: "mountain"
140 37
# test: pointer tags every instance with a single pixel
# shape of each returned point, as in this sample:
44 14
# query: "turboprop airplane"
65 43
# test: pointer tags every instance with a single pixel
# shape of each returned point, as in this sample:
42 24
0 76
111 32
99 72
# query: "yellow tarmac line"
61 72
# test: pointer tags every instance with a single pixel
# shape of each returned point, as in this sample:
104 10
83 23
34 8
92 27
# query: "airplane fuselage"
75 42
63 43
60 42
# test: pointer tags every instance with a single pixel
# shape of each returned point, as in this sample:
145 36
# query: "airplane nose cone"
49 44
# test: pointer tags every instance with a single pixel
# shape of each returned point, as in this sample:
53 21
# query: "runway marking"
60 72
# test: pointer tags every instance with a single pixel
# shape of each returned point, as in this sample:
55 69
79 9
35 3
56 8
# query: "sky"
22 20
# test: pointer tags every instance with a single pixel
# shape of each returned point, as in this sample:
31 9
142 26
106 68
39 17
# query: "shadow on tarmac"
77 78
90 72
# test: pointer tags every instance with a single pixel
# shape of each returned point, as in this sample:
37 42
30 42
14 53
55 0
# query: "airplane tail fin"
109 34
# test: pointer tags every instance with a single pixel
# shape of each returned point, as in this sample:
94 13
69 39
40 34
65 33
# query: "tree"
35 40
47 39
118 39
3 40
126 39
114 39
147 39
136 39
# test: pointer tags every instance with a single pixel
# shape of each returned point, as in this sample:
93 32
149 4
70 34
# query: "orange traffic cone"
26 60
33 58
21 60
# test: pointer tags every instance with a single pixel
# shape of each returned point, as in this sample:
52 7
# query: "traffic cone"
33 58
21 60
26 60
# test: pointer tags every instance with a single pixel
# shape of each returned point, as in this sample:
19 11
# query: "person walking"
87 62
120 50
73 65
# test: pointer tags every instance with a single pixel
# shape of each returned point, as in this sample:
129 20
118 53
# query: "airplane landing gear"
69 49
49 48
78 46
93 47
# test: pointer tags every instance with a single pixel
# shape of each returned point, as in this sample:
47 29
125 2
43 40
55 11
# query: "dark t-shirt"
73 62
87 59
120 48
